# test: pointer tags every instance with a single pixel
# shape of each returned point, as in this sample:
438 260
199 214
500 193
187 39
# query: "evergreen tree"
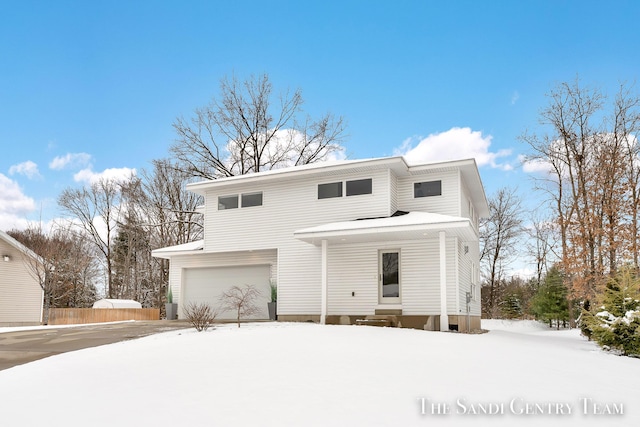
616 322
550 302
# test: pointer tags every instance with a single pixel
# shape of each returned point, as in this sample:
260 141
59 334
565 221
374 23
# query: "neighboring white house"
342 241
21 297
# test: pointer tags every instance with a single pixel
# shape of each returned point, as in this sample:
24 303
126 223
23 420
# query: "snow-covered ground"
285 374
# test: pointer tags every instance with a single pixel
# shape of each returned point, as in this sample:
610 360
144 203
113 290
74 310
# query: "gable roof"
398 164
19 246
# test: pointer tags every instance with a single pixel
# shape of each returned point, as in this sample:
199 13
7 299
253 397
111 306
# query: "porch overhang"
412 226
184 249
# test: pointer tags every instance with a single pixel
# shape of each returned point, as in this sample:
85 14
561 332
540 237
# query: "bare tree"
170 216
591 150
96 210
542 245
242 300
499 235
248 129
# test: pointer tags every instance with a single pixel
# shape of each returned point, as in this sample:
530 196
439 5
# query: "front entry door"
389 276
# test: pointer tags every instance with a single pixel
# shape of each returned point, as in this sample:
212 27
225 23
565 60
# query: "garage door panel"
207 285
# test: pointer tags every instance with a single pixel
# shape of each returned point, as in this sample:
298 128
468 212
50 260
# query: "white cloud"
113 174
72 160
28 169
14 204
515 97
454 144
535 165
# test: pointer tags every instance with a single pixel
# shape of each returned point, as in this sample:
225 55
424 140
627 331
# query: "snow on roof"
410 219
183 249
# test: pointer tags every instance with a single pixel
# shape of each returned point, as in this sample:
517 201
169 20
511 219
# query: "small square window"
251 199
360 186
227 202
427 189
327 191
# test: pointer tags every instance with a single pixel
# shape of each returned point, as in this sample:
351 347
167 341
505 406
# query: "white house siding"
180 263
287 207
354 269
393 192
446 204
21 297
465 200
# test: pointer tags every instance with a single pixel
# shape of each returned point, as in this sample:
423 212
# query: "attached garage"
207 285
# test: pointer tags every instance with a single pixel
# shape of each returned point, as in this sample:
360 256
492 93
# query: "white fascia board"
184 249
314 168
311 236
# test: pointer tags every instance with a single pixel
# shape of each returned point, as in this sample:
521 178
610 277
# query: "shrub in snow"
200 315
616 324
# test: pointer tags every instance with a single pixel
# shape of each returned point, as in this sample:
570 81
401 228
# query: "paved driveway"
21 347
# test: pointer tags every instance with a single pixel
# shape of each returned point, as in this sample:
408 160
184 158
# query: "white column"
324 285
444 318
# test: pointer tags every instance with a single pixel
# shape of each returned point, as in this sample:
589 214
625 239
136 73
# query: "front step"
379 320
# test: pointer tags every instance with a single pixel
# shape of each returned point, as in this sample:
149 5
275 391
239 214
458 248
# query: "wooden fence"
74 316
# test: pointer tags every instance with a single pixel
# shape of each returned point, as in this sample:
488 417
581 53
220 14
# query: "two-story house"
342 241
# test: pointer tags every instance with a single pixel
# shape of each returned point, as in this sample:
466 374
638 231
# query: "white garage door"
208 284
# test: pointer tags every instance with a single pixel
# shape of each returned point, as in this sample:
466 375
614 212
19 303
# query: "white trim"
444 319
456 260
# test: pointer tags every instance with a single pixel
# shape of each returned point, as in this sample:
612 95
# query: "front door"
389 276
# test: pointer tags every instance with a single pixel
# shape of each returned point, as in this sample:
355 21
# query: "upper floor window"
427 189
251 199
327 191
247 199
227 202
359 186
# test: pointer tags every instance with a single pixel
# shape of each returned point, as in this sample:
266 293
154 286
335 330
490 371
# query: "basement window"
427 189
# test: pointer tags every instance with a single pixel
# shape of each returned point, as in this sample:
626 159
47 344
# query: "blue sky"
88 87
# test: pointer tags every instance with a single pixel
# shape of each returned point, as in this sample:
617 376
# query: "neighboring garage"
207 285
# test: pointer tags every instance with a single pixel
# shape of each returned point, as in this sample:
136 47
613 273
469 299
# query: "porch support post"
324 284
444 318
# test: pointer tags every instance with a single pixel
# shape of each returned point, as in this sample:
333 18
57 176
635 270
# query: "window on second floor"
332 189
227 202
246 200
251 199
427 189
359 186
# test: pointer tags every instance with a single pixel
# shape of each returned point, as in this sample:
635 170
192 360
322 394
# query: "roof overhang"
397 164
413 226
190 248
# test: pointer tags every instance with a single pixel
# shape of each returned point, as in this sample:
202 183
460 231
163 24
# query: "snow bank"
280 374
521 326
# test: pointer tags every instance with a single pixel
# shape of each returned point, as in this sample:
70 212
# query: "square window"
327 191
251 199
360 186
427 189
227 202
